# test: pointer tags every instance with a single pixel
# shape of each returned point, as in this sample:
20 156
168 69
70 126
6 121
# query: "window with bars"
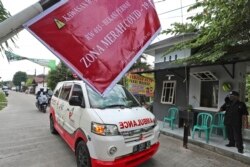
168 92
204 76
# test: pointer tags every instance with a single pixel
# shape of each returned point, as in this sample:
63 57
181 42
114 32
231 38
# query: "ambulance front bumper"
100 146
129 160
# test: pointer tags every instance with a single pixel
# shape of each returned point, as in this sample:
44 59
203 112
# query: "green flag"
43 62
13 57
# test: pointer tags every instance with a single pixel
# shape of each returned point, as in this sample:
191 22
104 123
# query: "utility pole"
43 75
14 24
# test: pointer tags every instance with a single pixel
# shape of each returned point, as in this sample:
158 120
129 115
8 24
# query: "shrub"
3 101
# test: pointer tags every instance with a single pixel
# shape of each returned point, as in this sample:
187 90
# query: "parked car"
110 130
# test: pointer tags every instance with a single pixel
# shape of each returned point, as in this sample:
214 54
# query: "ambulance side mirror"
75 101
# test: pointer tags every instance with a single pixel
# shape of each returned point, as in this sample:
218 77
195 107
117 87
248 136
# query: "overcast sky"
28 46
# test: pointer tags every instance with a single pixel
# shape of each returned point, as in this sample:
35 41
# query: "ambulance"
111 130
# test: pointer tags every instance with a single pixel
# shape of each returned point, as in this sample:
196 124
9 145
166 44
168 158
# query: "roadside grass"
3 101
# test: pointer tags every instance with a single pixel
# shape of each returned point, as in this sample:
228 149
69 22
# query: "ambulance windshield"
118 97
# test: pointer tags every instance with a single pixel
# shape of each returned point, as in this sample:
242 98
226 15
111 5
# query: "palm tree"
140 65
4 14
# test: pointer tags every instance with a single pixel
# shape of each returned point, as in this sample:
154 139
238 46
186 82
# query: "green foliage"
4 14
221 26
179 28
29 82
3 101
140 64
248 82
61 73
2 97
19 77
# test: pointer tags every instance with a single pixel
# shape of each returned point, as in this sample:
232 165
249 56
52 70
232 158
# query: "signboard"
141 85
98 39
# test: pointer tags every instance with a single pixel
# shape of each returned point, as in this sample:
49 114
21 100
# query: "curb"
217 150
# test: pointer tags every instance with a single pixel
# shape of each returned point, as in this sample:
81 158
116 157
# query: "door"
73 113
55 103
63 103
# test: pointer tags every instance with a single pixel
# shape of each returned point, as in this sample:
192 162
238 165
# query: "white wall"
180 55
221 74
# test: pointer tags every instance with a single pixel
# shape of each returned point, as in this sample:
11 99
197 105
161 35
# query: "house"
203 86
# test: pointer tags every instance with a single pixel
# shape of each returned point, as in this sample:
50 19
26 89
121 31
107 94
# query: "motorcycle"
42 103
6 93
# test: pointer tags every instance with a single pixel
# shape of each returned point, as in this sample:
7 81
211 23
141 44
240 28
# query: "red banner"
98 39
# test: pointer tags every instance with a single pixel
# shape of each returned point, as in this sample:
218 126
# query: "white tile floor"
215 140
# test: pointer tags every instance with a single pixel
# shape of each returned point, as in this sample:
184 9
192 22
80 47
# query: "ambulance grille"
138 134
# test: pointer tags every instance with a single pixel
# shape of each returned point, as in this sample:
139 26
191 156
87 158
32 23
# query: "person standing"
237 111
227 118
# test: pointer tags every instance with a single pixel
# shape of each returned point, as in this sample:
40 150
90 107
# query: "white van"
103 131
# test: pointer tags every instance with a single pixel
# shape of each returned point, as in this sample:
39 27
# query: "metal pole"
186 131
14 24
47 3
43 75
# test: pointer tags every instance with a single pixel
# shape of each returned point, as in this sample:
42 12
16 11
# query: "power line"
177 16
159 1
176 9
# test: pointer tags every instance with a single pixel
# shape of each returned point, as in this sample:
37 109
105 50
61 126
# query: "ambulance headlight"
104 129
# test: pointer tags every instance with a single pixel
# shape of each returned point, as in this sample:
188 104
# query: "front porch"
216 143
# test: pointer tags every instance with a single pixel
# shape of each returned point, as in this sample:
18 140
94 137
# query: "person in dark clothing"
233 121
39 92
226 105
225 108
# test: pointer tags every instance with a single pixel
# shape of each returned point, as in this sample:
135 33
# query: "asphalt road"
25 141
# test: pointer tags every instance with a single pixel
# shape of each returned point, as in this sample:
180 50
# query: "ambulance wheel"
52 128
82 155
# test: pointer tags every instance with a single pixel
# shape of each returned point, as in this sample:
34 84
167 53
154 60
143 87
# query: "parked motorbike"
5 90
6 93
42 103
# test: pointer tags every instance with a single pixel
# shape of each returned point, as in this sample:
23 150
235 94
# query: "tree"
19 77
4 14
29 82
61 73
140 64
222 28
